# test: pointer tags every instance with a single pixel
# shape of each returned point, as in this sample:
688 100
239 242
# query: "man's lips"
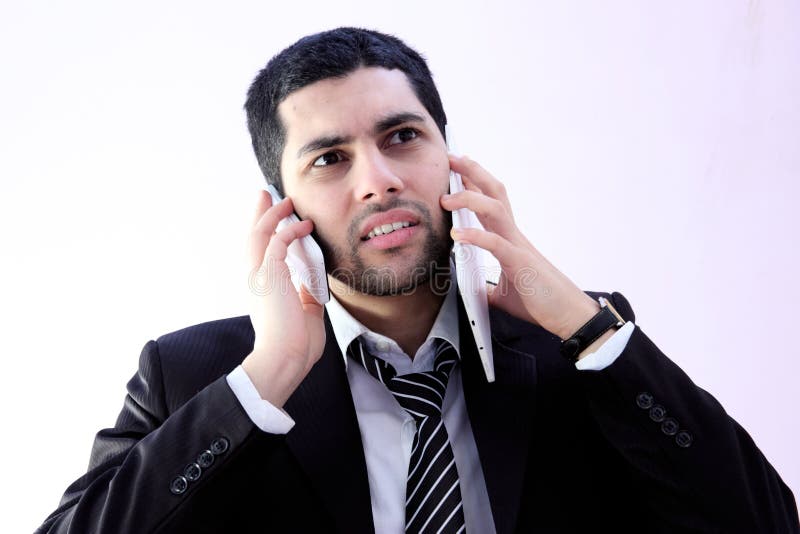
397 238
396 215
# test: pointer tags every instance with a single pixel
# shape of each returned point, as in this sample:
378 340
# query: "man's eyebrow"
396 119
326 141
386 123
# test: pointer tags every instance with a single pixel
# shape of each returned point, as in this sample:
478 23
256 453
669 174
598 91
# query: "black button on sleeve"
658 413
684 439
670 426
219 446
192 472
205 459
644 400
178 485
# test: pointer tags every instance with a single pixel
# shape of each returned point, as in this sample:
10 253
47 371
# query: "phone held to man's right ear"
304 258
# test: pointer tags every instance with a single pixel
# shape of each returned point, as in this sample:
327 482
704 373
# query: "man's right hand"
289 326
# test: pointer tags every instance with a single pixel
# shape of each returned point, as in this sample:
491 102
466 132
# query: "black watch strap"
606 318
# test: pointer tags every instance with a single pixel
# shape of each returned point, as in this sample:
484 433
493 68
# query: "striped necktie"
433 496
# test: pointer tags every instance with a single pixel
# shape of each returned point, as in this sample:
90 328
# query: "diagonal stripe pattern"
433 496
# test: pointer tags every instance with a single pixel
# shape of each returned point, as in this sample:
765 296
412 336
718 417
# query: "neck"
407 319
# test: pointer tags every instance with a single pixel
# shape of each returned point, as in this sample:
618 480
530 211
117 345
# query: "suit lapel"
501 415
327 442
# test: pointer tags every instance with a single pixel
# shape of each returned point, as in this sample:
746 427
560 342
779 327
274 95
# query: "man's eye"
328 158
403 136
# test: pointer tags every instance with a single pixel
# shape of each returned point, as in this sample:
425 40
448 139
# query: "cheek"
439 182
327 224
307 204
432 178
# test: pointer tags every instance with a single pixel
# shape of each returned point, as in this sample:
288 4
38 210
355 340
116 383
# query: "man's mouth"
387 228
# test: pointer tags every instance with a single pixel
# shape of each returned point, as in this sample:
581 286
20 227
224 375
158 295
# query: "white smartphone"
471 276
304 258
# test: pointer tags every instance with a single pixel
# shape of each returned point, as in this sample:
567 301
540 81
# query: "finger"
506 252
492 214
469 185
264 228
263 204
278 245
480 177
274 271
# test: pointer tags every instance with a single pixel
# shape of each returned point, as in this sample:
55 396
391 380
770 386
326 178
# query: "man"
372 414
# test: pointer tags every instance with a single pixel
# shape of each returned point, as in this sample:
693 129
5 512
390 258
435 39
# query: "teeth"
387 228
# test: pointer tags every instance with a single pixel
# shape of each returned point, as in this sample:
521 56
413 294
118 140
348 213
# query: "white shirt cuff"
263 414
608 351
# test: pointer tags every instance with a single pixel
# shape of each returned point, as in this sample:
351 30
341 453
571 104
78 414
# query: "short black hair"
330 54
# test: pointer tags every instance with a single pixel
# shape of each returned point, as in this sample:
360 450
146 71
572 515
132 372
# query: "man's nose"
377 180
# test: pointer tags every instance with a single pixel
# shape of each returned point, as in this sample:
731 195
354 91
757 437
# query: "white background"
649 148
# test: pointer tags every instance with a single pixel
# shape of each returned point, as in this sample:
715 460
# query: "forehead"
348 106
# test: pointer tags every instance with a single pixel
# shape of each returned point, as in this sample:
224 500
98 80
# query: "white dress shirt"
387 430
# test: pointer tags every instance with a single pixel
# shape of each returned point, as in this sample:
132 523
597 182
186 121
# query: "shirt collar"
346 328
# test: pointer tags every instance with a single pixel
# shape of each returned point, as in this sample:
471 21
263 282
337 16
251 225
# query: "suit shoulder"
204 352
220 330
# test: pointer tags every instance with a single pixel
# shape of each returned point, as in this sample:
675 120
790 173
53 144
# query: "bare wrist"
587 309
274 379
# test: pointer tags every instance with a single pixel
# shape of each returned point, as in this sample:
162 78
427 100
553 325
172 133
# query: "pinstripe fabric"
433 496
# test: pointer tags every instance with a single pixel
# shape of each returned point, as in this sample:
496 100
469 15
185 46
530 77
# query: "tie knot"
420 394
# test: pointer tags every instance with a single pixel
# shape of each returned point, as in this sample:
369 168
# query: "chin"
393 277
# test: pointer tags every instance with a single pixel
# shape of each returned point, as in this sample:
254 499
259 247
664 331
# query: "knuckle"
285 236
265 224
274 245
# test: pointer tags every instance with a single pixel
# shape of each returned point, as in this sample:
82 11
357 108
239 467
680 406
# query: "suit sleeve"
697 468
133 485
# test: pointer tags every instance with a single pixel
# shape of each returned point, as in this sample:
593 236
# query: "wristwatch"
605 319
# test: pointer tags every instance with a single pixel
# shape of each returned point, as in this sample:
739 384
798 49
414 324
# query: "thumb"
309 303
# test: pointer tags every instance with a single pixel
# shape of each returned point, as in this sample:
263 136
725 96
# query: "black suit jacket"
562 450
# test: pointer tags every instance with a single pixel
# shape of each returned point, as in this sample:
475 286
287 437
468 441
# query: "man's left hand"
530 287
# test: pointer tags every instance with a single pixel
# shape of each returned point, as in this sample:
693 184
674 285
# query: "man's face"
362 151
